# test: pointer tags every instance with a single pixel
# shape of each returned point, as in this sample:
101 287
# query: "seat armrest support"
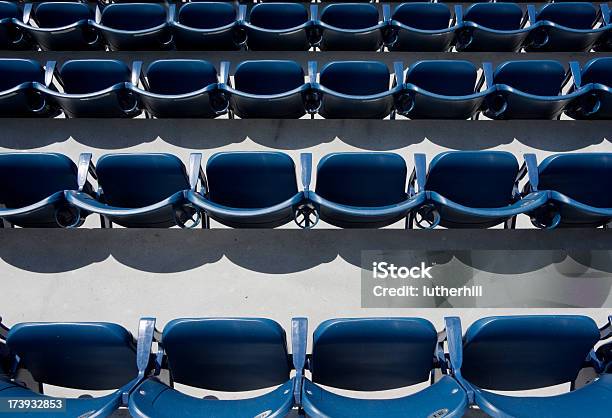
224 69
487 69
576 73
85 168
196 173
306 167
299 339
49 71
531 168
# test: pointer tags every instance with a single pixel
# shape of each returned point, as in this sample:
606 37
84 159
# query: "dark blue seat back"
598 70
571 15
424 16
133 16
526 352
585 177
88 76
498 16
16 71
278 15
350 15
355 77
477 179
207 15
58 14
180 76
542 78
9 10
268 77
227 354
370 354
446 77
90 356
137 180
251 179
362 178
27 178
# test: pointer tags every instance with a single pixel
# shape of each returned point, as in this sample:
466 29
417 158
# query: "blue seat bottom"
75 407
593 401
155 399
446 395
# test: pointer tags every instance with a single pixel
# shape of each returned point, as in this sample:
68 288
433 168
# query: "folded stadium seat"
10 37
137 191
357 90
421 27
60 26
95 88
518 353
266 89
278 27
374 354
250 190
32 190
528 90
181 88
75 355
491 27
211 26
19 94
134 26
596 79
224 355
348 27
472 189
564 27
443 89
363 190
577 185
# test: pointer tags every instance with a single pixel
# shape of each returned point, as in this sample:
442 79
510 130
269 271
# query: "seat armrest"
196 173
487 69
458 14
224 69
306 167
605 14
531 169
532 14
49 71
299 339
85 168
576 73
398 73
136 72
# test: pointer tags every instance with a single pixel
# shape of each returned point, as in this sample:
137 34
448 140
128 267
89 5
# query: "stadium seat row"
288 26
459 189
443 89
511 353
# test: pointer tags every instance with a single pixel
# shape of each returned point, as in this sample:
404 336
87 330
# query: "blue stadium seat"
181 88
60 26
596 79
248 189
32 190
137 190
348 27
207 26
363 190
95 88
472 189
278 27
519 353
135 26
577 185
266 89
224 355
421 27
357 89
75 355
19 95
564 27
491 27
10 38
528 90
374 354
443 89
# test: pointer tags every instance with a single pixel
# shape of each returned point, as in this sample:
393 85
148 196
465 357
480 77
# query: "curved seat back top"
207 15
180 76
251 180
350 26
574 15
278 26
206 26
278 16
90 76
597 71
133 16
59 14
89 356
9 10
15 72
421 27
424 16
515 353
16 85
268 88
229 354
349 86
372 354
139 180
535 77
499 16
